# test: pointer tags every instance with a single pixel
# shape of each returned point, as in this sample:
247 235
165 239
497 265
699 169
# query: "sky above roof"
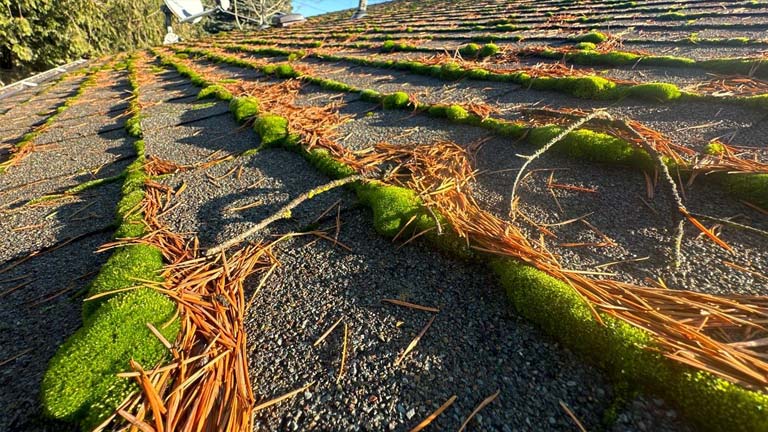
317 7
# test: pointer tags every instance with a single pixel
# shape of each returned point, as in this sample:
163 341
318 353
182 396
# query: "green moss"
371 96
392 206
587 46
591 87
672 16
388 46
326 164
749 187
504 128
122 269
593 146
244 107
397 100
286 71
488 50
451 71
456 113
133 126
484 38
478 74
660 92
469 50
714 149
215 91
81 381
594 36
272 129
332 85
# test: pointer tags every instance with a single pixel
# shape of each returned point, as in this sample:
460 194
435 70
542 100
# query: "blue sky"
317 7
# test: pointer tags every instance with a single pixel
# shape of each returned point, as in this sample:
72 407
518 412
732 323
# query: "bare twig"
547 146
283 213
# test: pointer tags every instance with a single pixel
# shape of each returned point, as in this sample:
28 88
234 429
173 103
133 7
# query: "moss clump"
332 85
326 164
504 128
749 187
660 92
133 126
451 71
371 96
438 110
286 71
488 50
593 146
586 46
397 100
456 113
215 91
391 46
478 74
388 46
122 269
714 149
591 87
244 107
81 383
469 50
594 36
672 16
272 129
392 206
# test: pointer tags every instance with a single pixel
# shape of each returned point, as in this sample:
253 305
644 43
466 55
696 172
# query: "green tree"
39 34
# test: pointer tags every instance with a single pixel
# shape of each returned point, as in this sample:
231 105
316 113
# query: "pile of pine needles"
206 386
723 335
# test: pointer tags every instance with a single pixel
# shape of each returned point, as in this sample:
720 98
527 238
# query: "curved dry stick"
547 146
283 213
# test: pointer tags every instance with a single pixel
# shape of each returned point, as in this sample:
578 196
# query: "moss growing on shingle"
272 129
122 269
285 71
397 100
593 146
672 16
749 187
451 71
392 206
80 383
659 92
371 96
714 149
587 46
594 36
244 107
488 50
469 50
456 113
591 87
627 352
216 92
